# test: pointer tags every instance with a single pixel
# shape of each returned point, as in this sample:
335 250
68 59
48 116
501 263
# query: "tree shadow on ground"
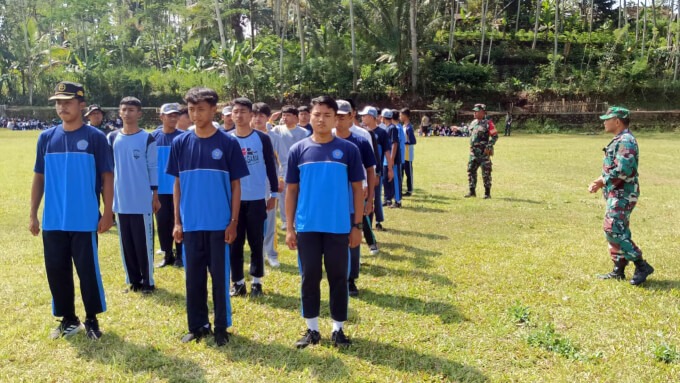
286 358
508 199
381 271
409 361
661 285
445 311
294 303
417 234
135 359
426 196
420 208
167 298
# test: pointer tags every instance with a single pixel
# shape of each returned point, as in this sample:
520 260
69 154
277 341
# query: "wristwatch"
359 225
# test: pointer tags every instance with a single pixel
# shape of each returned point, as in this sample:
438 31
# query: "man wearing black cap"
73 164
483 136
95 117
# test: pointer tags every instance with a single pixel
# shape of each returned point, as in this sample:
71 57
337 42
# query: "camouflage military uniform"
483 136
621 191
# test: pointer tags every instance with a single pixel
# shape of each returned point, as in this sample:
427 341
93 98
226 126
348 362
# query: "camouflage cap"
615 112
478 107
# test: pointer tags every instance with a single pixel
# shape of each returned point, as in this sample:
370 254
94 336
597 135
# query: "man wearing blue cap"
165 216
392 187
73 164
620 188
383 150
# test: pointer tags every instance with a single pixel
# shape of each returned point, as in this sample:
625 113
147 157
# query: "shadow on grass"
418 255
508 199
134 359
417 234
293 303
286 358
381 271
661 285
445 311
419 208
167 298
437 369
424 196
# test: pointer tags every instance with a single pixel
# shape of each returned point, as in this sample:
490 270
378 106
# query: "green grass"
441 302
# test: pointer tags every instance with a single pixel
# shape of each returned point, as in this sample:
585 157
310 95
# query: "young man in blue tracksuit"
207 165
258 153
409 134
73 164
392 190
320 168
383 154
165 216
135 195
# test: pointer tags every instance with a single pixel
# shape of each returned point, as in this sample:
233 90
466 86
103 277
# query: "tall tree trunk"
452 32
637 22
301 32
354 46
669 35
485 5
519 8
538 16
414 46
252 26
677 44
284 22
557 33
654 13
220 26
644 29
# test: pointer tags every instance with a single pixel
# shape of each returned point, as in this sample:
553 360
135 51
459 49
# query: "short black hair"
625 121
289 109
183 109
406 112
261 107
243 102
325 100
198 94
303 108
351 103
129 100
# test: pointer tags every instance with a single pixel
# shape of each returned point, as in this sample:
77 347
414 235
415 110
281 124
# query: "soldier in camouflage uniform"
619 184
483 136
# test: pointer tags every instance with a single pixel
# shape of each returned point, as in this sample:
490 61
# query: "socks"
337 326
242 281
257 280
312 323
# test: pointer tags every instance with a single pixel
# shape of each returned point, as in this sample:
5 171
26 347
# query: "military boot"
619 271
472 193
487 193
642 271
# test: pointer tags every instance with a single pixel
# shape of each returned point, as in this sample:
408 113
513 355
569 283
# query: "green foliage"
519 314
446 109
666 353
549 340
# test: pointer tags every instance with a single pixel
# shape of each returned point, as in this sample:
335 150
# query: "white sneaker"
273 261
373 249
160 252
283 226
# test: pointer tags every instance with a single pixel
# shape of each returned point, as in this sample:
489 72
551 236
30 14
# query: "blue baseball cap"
344 107
387 113
369 110
170 108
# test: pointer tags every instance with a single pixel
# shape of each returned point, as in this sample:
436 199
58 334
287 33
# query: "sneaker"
256 290
487 196
273 261
387 202
238 290
379 227
339 339
309 337
66 328
221 338
408 194
642 271
395 205
165 262
160 252
92 328
148 289
135 288
352 288
470 195
197 335
373 249
178 262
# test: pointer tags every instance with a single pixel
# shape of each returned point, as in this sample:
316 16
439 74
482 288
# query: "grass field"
463 289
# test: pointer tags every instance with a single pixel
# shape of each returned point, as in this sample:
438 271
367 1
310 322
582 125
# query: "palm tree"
414 46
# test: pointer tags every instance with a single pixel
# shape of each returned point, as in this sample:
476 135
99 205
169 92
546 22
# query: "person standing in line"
621 189
383 150
303 118
342 130
207 165
95 117
319 171
227 121
483 136
135 194
392 189
183 121
165 216
73 164
286 134
261 114
409 152
259 156
508 123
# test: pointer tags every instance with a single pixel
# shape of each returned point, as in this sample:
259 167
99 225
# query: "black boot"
618 272
487 193
169 260
472 193
642 271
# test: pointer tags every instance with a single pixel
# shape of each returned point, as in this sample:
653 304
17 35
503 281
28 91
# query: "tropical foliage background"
286 50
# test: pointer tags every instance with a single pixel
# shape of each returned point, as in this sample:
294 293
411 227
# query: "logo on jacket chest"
216 154
250 155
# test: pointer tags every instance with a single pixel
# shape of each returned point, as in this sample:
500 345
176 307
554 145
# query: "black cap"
67 90
93 108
